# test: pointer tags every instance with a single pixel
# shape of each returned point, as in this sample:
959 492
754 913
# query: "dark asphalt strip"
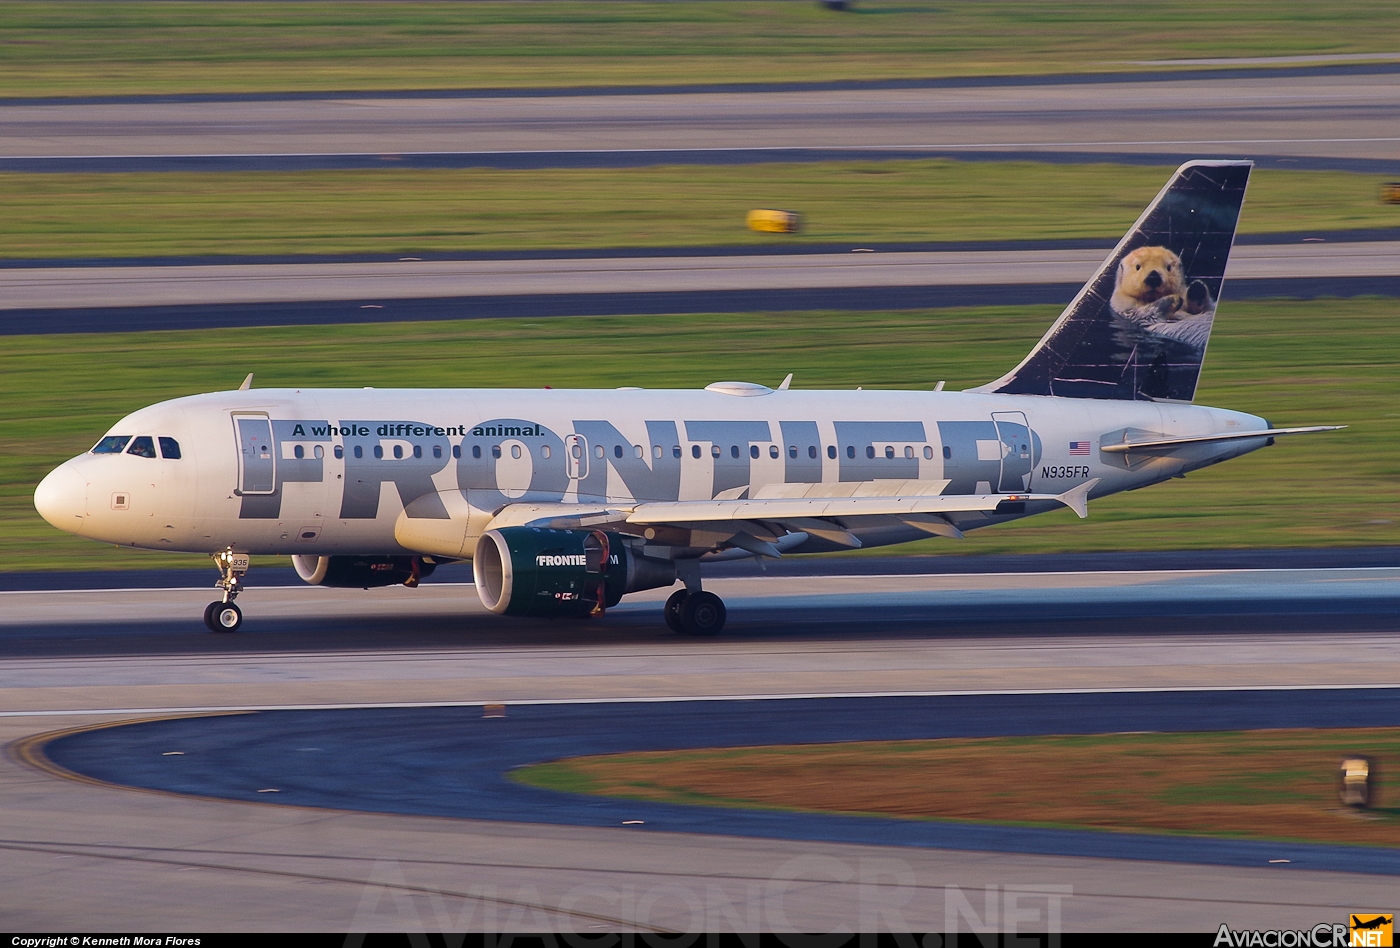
779 247
451 762
894 565
642 158
323 313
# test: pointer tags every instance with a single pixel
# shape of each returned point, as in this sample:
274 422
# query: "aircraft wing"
761 524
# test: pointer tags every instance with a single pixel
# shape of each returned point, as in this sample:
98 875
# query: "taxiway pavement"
212 285
1340 114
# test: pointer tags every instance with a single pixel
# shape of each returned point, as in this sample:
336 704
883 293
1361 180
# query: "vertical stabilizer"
1138 329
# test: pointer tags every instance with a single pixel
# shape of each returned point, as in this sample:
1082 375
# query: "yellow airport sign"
774 222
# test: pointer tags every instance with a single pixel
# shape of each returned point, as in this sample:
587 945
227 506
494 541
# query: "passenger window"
908 450
928 452
831 451
695 450
850 451
142 446
636 450
792 450
889 451
169 448
112 444
598 451
437 450
714 451
545 451
656 451
298 452
359 451
476 450
418 450
753 451
811 451
339 452
773 450
733 450
947 452
379 451
457 451
675 450
617 450
398 452
496 451
515 451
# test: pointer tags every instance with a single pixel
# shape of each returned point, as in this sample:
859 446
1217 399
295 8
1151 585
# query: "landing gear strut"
695 612
223 615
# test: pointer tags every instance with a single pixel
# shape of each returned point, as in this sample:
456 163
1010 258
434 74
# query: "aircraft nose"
61 498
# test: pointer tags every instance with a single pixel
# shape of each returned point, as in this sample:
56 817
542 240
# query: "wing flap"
793 508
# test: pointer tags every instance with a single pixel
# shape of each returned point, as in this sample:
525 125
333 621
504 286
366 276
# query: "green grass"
102 48
1279 784
418 211
1294 362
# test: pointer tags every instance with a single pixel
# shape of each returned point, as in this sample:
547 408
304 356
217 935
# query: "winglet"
783 385
1077 498
247 383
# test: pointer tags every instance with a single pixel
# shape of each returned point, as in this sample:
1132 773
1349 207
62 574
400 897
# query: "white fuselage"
319 472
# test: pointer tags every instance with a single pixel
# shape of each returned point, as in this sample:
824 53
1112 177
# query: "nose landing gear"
224 615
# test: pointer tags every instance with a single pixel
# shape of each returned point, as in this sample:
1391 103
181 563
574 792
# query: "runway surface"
1333 115
150 286
84 650
70 658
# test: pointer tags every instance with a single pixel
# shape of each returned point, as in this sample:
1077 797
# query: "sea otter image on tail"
1138 329
1150 294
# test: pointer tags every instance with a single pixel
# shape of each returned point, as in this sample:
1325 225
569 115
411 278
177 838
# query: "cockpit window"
143 446
169 448
112 444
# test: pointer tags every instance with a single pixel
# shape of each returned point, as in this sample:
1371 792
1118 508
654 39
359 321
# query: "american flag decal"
1079 449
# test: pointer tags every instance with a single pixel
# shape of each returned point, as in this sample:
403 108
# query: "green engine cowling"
536 571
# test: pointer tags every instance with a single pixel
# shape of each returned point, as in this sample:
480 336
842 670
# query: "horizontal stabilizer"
1166 444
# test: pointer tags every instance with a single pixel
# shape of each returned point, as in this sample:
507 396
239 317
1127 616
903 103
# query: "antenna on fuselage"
247 383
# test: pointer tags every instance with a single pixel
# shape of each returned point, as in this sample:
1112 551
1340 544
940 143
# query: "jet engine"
362 572
536 571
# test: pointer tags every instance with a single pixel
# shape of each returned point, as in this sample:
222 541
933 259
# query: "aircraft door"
257 456
1016 457
576 452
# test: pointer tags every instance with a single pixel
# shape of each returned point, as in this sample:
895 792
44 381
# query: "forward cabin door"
257 458
1014 433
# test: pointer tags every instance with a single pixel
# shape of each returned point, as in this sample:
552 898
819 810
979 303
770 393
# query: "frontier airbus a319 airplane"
565 501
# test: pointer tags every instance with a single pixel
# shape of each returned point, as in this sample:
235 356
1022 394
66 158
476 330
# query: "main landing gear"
223 615
695 612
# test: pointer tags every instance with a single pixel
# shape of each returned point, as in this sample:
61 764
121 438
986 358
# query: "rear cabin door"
1015 435
257 458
